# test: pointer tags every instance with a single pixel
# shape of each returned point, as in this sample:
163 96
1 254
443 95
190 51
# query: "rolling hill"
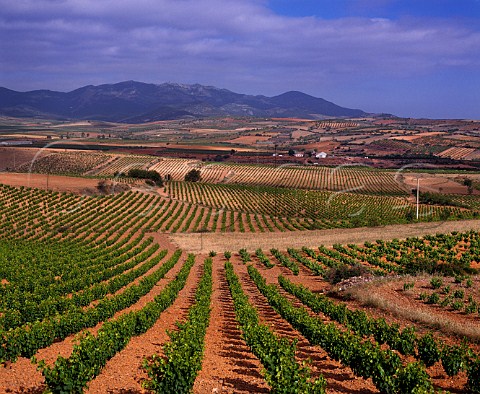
137 102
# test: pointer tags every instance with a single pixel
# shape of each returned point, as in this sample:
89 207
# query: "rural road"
220 242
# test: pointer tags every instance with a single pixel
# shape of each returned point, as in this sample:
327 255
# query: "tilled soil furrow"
340 379
438 376
123 373
22 376
228 365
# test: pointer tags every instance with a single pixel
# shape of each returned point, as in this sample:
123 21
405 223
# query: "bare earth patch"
50 182
249 139
388 295
205 242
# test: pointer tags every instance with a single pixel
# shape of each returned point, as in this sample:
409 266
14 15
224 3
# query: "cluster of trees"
152 177
156 179
193 176
469 184
437 199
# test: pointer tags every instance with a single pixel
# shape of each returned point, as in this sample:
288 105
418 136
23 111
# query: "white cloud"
229 43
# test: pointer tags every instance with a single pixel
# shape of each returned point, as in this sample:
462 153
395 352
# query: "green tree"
193 176
469 184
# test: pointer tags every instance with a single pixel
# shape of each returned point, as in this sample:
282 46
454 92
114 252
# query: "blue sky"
393 9
410 58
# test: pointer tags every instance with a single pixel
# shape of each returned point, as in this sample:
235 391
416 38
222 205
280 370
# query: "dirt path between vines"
205 242
228 365
340 379
22 376
124 373
383 289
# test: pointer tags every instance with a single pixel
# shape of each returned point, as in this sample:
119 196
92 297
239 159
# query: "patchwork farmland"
101 287
269 274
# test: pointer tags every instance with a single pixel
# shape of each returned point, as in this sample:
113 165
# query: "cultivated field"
272 273
101 265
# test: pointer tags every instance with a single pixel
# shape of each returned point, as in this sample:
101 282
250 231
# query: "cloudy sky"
418 58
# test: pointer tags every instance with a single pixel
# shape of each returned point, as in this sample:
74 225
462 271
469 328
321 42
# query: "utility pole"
418 194
275 196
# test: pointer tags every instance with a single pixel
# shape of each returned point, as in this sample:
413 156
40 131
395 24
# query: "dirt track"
205 242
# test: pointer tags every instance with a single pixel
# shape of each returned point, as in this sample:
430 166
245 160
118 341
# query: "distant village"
312 154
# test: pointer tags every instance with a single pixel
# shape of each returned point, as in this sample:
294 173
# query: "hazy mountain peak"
133 101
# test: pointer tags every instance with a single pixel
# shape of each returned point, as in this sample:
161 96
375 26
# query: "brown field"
300 133
434 183
249 139
325 146
209 131
388 295
473 156
26 136
201 147
204 242
14 157
456 153
73 124
50 182
228 365
417 136
293 120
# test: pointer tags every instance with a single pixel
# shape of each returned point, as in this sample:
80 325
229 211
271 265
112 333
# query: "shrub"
458 294
446 301
405 342
336 275
428 350
263 259
244 255
457 305
433 298
454 359
471 307
152 176
414 379
227 254
459 278
103 186
423 296
473 373
212 253
408 286
436 282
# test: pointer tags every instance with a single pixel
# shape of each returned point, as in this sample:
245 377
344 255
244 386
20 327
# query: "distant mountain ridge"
138 102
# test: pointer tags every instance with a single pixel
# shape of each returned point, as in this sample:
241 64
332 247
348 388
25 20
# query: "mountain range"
138 102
